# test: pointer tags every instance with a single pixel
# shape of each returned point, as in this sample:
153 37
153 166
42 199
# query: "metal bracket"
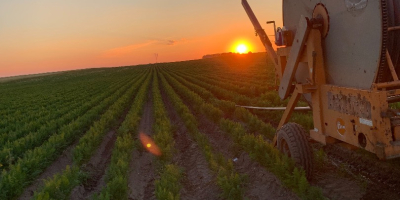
294 57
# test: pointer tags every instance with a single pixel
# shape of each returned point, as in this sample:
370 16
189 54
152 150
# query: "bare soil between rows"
99 160
142 166
378 179
259 183
56 167
97 164
199 181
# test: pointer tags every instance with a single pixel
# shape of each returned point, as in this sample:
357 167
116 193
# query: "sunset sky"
53 35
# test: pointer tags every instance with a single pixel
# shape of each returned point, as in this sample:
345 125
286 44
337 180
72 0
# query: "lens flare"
149 144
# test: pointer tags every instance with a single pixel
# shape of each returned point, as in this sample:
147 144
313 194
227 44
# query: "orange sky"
46 35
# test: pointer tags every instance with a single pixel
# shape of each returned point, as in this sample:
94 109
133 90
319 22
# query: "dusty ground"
377 179
57 167
96 168
198 181
260 183
97 165
142 167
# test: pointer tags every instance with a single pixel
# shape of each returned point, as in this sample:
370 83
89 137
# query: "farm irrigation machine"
343 56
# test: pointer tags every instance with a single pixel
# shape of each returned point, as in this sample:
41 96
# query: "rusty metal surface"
350 104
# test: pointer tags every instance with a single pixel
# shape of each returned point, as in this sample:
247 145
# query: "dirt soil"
142 167
56 167
97 165
200 180
96 168
260 183
377 179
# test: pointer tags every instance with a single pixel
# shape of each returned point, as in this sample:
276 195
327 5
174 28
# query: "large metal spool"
356 41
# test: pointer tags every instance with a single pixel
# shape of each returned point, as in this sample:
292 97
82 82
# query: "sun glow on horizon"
241 48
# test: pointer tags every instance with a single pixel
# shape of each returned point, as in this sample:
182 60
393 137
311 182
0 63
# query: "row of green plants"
118 170
29 100
36 121
222 90
168 185
268 99
243 76
215 88
12 150
43 118
15 99
243 70
259 149
60 185
253 123
228 179
34 161
231 82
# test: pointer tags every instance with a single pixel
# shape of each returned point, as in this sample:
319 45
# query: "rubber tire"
292 141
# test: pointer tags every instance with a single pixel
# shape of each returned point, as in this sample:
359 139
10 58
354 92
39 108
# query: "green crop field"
76 135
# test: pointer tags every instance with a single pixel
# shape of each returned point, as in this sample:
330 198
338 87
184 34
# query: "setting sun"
241 48
241 45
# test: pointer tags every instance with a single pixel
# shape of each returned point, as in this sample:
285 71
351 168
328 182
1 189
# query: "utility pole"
156 56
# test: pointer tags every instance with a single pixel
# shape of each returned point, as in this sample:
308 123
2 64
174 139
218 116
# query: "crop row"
267 99
254 123
244 73
59 117
44 99
168 185
12 150
60 186
227 178
118 170
32 116
258 149
36 160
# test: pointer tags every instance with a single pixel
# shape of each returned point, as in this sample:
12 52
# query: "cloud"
115 52
169 42
124 50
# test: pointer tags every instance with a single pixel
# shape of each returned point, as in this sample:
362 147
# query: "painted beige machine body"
350 98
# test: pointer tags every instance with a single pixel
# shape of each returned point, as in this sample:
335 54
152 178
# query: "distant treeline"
220 54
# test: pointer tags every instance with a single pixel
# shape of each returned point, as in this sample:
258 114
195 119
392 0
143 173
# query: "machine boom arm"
260 32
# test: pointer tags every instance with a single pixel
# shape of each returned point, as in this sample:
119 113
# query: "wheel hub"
321 12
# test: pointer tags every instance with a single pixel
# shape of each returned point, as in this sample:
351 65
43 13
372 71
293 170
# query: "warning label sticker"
366 122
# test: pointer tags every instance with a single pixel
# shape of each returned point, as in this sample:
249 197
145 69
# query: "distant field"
89 133
13 78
